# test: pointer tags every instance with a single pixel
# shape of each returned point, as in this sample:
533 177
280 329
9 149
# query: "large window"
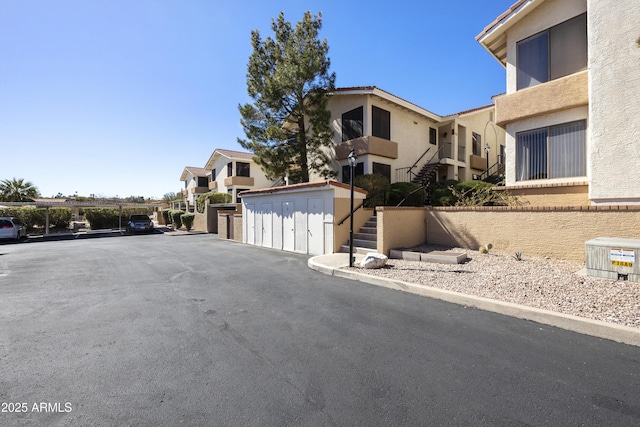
553 53
476 141
552 152
203 181
382 169
352 124
433 136
380 123
242 169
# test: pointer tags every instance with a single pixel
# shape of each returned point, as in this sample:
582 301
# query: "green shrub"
441 194
175 218
166 216
213 197
187 220
59 217
32 217
411 193
100 218
377 187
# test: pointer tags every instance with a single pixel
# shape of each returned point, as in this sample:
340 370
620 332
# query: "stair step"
356 250
372 224
368 230
365 236
365 243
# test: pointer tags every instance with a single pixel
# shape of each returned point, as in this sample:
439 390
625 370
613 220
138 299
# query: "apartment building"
571 110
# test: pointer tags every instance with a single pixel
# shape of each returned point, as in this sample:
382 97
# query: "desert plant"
480 193
187 220
518 256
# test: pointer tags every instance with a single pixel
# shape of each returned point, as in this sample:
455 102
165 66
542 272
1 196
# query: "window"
213 175
382 169
476 141
553 152
553 53
433 136
238 191
352 124
230 169
380 123
242 169
346 173
203 181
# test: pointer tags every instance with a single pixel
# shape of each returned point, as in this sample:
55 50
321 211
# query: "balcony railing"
245 181
367 145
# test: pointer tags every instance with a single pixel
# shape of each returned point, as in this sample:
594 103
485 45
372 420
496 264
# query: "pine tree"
288 79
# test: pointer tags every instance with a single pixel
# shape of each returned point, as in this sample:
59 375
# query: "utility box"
613 258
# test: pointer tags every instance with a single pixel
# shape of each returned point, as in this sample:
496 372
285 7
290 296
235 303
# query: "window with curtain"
553 152
553 53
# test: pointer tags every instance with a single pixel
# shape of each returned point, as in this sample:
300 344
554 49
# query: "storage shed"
298 218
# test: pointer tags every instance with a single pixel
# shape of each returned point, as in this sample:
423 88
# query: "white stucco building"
571 109
398 139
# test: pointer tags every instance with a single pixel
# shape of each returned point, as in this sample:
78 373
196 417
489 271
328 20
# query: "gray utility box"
613 258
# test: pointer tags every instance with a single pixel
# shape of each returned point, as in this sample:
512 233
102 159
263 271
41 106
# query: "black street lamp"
487 149
353 159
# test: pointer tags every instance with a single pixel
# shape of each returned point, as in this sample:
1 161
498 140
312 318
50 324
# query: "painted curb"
595 328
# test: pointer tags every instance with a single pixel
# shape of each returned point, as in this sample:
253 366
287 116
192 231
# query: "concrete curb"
596 328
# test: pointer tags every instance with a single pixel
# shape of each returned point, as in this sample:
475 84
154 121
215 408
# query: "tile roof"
235 154
503 15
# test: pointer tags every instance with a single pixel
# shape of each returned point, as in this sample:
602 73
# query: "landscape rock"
373 260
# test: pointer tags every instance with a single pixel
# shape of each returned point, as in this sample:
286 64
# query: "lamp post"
352 164
487 149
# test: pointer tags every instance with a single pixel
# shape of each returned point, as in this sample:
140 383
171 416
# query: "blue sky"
116 97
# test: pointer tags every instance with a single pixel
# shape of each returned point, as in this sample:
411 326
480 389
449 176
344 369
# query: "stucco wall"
341 232
400 228
551 195
555 232
614 91
409 129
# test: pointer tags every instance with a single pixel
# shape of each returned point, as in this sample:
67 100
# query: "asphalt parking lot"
192 330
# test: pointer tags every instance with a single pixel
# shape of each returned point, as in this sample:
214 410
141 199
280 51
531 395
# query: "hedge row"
100 218
32 217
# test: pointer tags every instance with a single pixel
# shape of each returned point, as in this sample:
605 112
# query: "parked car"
139 223
11 228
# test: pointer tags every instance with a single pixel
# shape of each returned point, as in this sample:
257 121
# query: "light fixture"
353 159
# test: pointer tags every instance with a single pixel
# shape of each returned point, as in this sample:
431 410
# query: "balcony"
556 95
367 145
244 181
213 185
198 190
477 162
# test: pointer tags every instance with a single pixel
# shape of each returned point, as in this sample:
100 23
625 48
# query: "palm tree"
17 190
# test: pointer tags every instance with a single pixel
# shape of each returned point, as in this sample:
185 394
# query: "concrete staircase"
365 240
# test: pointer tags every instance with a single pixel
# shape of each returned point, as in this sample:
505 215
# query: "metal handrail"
369 196
498 166
430 161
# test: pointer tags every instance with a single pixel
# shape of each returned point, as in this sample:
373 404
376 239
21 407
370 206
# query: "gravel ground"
545 283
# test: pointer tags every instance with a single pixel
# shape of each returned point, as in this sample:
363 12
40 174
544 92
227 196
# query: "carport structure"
301 217
76 205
